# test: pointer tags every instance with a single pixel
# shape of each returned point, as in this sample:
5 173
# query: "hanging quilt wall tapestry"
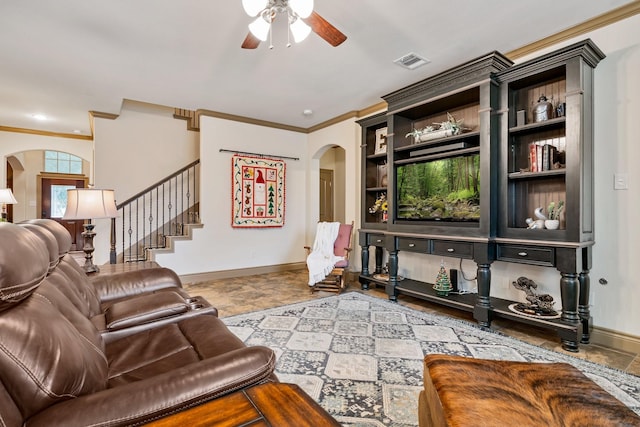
258 192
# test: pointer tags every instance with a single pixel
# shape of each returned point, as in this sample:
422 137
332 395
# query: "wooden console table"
270 404
572 260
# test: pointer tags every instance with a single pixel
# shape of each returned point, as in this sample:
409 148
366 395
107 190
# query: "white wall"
218 246
139 148
143 145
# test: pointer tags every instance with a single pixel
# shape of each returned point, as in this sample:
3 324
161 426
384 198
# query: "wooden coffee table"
270 404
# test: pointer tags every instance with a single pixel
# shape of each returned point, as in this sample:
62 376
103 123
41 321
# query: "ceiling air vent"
411 61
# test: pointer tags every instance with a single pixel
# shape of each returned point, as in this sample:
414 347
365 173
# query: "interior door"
326 195
54 203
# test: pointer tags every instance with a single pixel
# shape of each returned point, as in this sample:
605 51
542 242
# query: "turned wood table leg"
482 309
379 252
393 276
583 306
365 266
569 289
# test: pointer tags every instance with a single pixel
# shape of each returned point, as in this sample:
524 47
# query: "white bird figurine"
538 213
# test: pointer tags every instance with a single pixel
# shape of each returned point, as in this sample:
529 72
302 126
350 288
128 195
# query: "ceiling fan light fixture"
302 8
254 7
260 28
300 30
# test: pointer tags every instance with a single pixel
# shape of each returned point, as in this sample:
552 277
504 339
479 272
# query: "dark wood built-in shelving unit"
495 101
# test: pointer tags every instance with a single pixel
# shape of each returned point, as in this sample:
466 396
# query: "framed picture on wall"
381 141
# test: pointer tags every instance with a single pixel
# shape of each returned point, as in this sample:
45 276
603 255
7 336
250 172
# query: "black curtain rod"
257 154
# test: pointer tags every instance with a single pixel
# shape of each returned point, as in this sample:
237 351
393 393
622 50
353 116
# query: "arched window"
57 161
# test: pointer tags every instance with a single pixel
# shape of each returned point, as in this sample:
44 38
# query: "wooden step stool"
461 391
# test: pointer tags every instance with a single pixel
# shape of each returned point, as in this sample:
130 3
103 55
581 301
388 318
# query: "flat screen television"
439 190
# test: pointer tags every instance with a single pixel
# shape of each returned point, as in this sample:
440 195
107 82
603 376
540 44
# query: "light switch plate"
620 181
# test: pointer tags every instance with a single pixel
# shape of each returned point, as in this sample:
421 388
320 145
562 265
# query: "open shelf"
543 174
538 126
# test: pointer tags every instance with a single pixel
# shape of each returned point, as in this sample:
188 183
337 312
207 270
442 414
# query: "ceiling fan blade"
321 27
250 42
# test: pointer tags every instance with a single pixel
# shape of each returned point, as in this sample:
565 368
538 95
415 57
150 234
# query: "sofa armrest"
119 285
143 309
146 400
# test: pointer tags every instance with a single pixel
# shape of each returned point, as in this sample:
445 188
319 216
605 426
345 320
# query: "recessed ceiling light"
39 116
77 131
307 112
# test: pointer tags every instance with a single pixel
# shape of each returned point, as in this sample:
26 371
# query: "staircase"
154 218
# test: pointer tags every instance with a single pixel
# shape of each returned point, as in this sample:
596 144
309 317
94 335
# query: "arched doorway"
35 189
331 190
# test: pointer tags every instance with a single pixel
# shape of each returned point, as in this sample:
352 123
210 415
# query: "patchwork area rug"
361 357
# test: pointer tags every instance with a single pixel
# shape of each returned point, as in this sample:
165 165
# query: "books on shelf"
545 155
533 157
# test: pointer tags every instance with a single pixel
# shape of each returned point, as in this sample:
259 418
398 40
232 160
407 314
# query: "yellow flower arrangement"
380 205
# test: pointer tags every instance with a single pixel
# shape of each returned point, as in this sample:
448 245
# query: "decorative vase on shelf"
543 110
551 224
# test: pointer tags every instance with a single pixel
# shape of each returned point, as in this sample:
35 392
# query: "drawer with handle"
453 249
527 255
375 239
413 245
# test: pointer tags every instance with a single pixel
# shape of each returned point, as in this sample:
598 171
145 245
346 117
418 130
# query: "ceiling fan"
301 19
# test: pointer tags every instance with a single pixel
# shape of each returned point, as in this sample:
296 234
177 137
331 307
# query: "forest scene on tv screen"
444 190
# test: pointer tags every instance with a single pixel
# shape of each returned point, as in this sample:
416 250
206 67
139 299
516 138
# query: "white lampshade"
302 8
253 7
300 30
6 196
260 28
90 203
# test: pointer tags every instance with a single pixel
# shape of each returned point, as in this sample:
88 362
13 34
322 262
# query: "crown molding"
102 115
193 118
350 115
599 21
249 120
46 133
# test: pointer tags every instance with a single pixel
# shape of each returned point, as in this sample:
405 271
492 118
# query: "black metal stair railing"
147 218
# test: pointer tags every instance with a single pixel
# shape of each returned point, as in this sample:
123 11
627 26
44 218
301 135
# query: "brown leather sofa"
61 364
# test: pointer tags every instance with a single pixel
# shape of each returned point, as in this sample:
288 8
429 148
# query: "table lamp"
6 198
88 204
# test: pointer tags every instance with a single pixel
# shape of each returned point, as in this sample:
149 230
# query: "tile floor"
253 293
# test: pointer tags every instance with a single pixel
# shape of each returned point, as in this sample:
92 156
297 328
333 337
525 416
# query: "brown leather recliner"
108 288
132 300
57 369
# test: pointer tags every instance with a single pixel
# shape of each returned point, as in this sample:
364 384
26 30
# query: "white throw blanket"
321 259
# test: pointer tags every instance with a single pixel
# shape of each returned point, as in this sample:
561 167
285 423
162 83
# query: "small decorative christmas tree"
443 284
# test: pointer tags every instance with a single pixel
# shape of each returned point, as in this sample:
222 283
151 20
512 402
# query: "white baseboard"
227 274
615 340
